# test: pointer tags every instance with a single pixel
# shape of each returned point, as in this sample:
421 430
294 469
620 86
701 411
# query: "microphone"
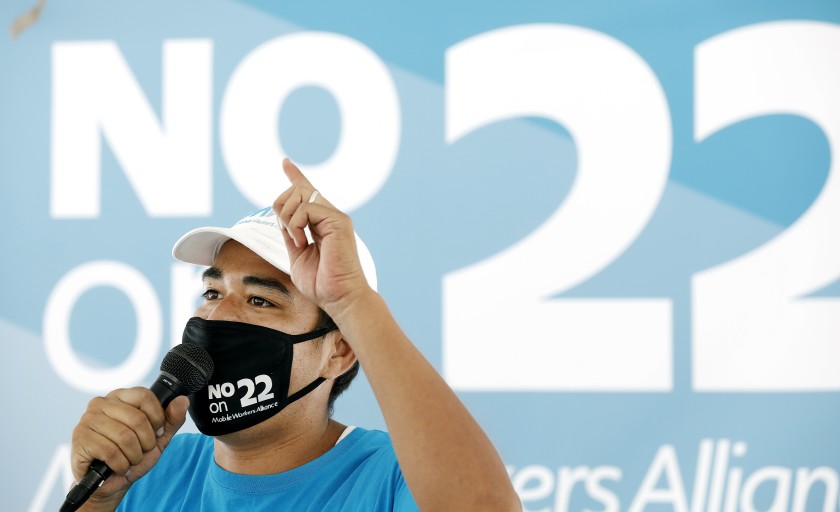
185 369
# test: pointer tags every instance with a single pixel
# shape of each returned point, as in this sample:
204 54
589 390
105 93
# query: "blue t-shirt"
359 473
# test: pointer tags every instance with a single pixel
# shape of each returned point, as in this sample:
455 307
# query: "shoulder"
363 457
364 443
374 439
375 470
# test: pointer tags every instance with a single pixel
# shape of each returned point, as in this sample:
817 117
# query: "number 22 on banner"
750 331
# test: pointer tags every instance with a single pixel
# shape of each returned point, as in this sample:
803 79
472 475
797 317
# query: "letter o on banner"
56 327
367 100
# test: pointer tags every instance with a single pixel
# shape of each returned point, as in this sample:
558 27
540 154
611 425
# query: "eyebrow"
211 273
258 281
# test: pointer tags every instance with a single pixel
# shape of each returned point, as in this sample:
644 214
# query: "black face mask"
251 381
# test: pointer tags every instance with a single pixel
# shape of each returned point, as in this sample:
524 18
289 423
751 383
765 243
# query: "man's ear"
340 355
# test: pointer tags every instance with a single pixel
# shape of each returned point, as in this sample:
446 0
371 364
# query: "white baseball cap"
259 232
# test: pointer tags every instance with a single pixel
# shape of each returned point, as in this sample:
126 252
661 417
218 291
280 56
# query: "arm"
447 460
126 429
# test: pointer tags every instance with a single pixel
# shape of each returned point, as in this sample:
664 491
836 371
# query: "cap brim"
201 246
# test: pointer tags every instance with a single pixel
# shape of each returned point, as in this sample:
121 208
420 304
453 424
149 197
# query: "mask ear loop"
320 380
305 390
308 336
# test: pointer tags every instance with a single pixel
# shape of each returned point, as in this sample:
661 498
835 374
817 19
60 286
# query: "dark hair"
342 382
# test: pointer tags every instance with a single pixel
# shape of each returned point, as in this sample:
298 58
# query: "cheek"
305 364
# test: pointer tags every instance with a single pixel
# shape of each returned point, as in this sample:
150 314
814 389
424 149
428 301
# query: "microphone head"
190 364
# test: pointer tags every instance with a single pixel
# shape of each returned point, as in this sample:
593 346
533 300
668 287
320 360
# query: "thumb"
176 415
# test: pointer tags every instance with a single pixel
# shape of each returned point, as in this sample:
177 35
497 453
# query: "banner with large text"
612 226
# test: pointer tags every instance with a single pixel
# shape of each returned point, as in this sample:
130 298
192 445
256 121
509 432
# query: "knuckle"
120 466
87 423
114 458
116 393
96 403
287 210
343 221
111 453
135 457
147 443
125 437
79 433
137 420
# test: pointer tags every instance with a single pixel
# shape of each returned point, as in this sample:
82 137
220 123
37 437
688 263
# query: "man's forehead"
236 260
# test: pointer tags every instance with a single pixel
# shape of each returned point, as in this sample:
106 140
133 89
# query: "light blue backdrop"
754 429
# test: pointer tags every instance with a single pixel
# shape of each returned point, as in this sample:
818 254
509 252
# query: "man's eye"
210 295
260 302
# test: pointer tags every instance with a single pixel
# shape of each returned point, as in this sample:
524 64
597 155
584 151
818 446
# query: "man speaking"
287 318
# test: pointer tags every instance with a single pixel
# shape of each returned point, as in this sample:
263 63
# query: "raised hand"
326 269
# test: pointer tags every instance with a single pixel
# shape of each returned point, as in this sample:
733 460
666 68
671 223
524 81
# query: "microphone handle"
97 473
165 388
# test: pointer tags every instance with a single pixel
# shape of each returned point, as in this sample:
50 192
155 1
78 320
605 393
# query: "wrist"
352 305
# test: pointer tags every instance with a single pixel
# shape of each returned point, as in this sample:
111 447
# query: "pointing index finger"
294 174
